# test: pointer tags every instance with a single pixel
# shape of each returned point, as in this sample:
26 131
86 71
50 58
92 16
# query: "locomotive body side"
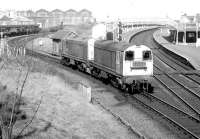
108 60
124 65
108 57
75 49
77 52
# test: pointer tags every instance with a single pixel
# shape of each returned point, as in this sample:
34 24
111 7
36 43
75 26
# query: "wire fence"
8 50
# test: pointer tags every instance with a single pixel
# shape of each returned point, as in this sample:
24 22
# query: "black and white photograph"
100 69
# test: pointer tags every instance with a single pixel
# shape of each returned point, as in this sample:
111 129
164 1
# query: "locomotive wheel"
123 88
114 83
61 62
95 73
140 87
134 89
150 88
74 67
129 89
105 81
65 62
80 68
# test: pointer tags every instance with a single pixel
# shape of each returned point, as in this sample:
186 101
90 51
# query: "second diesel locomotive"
126 66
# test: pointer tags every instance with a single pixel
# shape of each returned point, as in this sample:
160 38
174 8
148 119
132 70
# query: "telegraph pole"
120 31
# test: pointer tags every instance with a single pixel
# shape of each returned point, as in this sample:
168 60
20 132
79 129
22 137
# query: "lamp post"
185 20
177 34
120 31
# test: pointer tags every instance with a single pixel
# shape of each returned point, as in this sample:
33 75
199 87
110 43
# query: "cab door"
90 50
128 61
118 61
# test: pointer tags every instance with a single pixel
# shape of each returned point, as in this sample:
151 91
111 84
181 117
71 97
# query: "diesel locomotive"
126 66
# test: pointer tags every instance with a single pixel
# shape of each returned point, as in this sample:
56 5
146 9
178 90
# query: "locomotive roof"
112 46
79 39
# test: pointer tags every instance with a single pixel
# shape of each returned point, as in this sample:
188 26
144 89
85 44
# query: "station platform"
190 52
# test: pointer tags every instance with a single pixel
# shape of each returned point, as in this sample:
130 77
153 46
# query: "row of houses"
19 20
56 17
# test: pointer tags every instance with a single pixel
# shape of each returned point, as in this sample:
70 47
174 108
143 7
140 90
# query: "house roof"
71 10
85 10
42 10
5 18
56 10
63 34
30 11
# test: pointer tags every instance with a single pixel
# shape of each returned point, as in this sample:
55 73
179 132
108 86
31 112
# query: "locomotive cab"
138 61
138 67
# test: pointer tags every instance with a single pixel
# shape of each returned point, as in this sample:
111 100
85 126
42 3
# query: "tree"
11 102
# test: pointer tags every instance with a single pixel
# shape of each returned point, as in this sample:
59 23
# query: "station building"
186 31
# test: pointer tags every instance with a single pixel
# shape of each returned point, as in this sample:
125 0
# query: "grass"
63 112
7 99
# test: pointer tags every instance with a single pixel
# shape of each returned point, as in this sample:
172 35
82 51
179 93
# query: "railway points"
170 72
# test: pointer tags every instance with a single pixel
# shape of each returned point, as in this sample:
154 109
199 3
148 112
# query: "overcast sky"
112 8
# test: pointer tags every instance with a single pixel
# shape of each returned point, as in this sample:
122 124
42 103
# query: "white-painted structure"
99 32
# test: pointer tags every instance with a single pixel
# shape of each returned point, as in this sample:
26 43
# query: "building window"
191 37
180 36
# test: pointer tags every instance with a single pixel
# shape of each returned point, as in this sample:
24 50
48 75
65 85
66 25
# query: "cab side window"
129 55
147 55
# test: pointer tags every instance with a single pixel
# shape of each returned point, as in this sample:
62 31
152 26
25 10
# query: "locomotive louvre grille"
139 65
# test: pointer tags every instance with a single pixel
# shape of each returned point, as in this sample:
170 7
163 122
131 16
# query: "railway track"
170 80
167 71
195 77
187 95
188 125
182 98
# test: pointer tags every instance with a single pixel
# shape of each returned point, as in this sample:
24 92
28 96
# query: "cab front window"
147 55
129 55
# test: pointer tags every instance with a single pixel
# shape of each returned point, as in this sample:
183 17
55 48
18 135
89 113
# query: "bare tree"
10 106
